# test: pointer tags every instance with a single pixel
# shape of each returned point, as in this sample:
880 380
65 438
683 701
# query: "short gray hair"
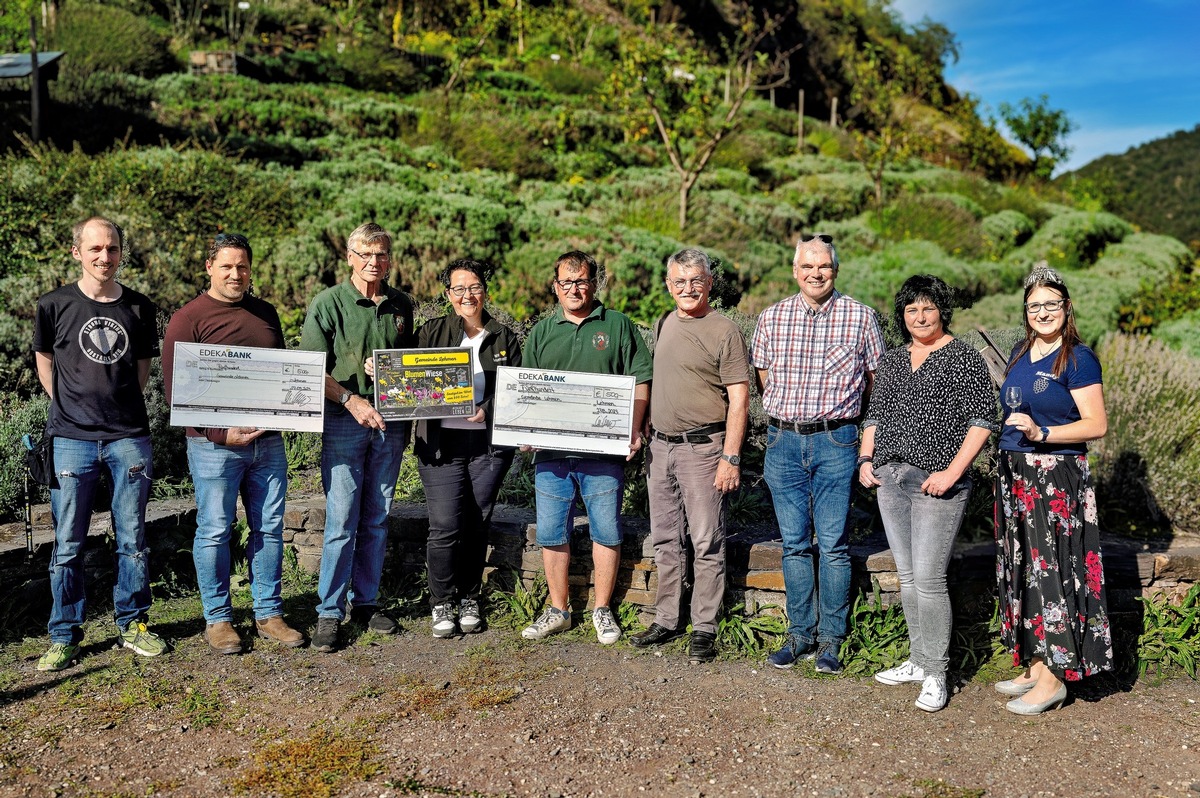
369 233
816 243
691 258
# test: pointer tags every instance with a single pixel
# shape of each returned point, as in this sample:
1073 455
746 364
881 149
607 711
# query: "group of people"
926 410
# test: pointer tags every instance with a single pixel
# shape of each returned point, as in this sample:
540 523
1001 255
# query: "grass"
315 766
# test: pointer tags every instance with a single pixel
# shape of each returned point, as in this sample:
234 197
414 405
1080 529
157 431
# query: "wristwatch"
732 459
345 397
1045 434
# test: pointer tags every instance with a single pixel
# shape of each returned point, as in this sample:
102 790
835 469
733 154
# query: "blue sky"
1125 72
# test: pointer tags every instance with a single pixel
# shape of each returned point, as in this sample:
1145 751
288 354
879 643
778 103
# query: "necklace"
1043 351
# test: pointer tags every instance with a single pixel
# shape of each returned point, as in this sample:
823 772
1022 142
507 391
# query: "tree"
691 100
882 95
1040 128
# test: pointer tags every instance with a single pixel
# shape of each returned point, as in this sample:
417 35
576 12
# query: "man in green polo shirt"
360 452
583 335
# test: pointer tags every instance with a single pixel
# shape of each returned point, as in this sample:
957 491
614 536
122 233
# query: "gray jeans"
920 531
683 504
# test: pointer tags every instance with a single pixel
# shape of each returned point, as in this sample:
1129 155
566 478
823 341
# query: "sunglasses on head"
822 237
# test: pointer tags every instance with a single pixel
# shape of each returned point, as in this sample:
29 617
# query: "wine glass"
1012 397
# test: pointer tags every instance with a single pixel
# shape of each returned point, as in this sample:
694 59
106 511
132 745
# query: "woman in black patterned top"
932 410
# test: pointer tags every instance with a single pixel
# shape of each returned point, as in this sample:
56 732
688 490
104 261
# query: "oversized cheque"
565 410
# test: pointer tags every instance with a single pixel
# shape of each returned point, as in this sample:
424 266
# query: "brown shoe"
223 638
275 628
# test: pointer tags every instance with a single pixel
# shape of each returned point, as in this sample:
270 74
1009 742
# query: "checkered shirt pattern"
817 360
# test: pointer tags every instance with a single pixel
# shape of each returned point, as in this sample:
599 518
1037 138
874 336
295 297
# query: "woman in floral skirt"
1053 613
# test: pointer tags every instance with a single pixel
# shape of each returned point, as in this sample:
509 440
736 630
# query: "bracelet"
866 458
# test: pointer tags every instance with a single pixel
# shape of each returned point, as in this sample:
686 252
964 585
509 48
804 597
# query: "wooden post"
772 96
800 122
833 113
520 29
35 83
727 87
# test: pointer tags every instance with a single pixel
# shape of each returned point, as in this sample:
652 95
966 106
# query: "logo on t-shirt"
104 340
399 324
600 341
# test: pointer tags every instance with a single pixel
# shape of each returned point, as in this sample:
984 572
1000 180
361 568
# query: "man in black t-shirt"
93 343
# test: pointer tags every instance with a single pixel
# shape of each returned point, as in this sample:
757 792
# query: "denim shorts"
600 483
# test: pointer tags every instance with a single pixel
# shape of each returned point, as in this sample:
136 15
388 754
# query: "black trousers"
460 493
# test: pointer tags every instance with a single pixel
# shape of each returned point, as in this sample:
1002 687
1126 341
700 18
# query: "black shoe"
325 638
374 619
702 647
654 636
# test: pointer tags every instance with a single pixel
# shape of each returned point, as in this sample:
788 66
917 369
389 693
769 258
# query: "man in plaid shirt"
814 356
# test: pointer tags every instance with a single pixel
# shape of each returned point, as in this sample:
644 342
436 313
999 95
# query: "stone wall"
1132 569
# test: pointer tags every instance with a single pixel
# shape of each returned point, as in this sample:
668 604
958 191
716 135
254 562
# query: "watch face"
733 459
345 397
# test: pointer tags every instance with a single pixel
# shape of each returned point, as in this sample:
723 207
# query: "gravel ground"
491 715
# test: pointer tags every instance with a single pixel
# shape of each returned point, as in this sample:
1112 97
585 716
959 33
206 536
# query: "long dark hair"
1043 276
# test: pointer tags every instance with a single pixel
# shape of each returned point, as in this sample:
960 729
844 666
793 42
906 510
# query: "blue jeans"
920 531
810 481
601 484
77 468
257 471
359 468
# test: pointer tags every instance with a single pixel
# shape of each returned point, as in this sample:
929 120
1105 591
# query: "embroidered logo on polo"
399 324
600 341
104 340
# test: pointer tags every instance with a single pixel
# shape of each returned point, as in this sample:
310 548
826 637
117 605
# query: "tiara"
1042 274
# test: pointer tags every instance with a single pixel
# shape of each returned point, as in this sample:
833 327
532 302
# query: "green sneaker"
59 657
142 640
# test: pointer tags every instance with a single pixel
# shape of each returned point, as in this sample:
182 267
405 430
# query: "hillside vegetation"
474 129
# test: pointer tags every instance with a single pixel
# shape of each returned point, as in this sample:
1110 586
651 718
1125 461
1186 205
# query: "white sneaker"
469 617
443 620
607 631
933 693
901 674
550 621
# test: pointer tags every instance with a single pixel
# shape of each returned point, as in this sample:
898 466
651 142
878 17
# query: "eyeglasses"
1054 305
695 282
824 238
381 257
473 290
567 285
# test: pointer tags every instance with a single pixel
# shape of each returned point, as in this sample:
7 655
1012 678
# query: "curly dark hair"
478 268
924 286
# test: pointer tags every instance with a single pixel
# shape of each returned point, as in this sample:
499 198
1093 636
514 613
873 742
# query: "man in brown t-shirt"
226 463
699 417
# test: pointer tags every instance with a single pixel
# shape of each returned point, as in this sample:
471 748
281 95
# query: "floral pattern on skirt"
1048 565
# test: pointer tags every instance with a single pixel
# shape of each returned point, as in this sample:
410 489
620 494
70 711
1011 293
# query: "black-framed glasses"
824 238
381 257
567 285
1053 306
463 290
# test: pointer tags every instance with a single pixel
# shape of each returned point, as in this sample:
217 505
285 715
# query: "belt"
811 427
698 435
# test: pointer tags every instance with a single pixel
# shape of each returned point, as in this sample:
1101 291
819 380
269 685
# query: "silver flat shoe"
1012 687
1019 707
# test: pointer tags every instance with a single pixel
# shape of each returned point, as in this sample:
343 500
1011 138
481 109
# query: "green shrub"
1182 334
933 217
1072 240
102 38
828 197
1148 465
18 416
1005 230
563 78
